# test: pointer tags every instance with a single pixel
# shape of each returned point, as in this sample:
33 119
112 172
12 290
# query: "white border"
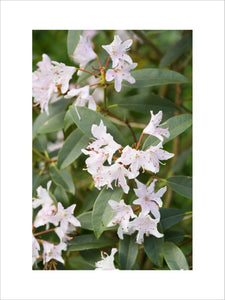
18 18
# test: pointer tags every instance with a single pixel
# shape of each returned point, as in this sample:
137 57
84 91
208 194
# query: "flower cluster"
102 151
50 78
128 164
56 215
121 62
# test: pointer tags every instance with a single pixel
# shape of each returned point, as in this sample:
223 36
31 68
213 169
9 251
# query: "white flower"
83 97
35 249
62 75
122 215
49 79
144 224
52 251
120 73
84 52
117 50
107 262
43 197
148 199
152 127
65 217
153 155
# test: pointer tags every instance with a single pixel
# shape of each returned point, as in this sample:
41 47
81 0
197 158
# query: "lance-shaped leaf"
177 125
181 184
68 120
102 213
86 220
174 257
128 250
175 51
62 178
79 263
72 40
154 77
154 249
170 217
89 117
71 148
89 241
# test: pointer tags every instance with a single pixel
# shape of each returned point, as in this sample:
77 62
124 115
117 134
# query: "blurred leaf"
128 251
101 211
36 183
154 249
181 160
174 236
62 178
72 40
181 184
174 257
170 217
40 143
147 103
90 199
91 256
154 77
71 148
177 125
79 263
175 51
90 117
89 241
54 121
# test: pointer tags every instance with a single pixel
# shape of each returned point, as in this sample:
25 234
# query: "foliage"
163 82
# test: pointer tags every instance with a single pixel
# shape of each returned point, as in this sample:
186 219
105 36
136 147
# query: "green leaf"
128 251
89 241
154 77
181 160
181 184
174 236
177 125
102 212
62 178
72 40
68 120
170 217
40 143
85 220
174 257
61 196
175 51
71 148
79 263
54 121
154 249
147 103
90 117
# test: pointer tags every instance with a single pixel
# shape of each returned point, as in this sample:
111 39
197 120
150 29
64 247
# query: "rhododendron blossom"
144 224
153 129
35 249
107 262
83 97
148 199
65 216
122 215
117 50
52 251
120 73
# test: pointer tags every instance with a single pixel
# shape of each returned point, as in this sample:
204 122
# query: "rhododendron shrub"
112 184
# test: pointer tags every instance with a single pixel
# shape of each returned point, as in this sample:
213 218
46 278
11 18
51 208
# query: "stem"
99 63
38 153
107 62
104 100
139 142
78 69
124 121
42 232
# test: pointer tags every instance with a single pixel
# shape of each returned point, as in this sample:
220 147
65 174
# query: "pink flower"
83 97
